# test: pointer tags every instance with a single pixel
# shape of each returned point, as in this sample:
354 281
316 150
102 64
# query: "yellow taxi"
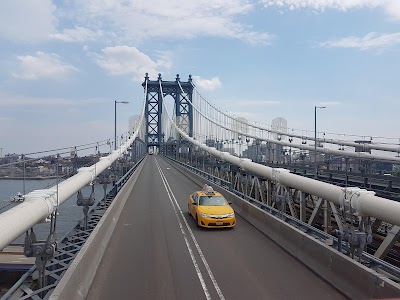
210 209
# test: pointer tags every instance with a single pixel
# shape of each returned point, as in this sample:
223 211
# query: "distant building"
279 124
240 124
9 158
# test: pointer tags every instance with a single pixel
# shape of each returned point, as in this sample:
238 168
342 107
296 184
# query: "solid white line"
214 281
202 282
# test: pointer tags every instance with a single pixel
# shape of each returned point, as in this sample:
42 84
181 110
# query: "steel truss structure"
182 94
360 235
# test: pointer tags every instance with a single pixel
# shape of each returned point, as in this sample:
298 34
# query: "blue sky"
63 63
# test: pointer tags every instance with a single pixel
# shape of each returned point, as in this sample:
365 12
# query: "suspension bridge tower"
181 92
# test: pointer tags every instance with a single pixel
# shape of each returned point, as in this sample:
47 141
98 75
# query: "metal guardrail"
366 258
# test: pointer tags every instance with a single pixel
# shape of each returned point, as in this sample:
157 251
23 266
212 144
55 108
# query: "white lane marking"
196 266
206 265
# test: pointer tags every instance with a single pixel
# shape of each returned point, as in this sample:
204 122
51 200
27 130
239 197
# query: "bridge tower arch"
154 107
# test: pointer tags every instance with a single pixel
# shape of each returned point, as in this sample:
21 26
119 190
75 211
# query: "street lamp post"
115 121
315 139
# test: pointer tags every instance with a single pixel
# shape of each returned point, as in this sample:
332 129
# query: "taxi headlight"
231 215
205 215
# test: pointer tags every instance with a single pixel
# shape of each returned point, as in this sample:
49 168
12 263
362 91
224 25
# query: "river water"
69 212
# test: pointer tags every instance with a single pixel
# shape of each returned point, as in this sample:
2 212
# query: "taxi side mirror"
230 203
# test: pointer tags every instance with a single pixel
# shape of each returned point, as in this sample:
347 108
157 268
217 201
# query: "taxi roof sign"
208 189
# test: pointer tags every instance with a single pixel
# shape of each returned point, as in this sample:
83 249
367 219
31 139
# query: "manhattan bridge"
315 219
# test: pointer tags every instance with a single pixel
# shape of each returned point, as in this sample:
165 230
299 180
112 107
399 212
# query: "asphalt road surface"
157 252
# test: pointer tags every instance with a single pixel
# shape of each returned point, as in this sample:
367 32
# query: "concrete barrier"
76 282
353 279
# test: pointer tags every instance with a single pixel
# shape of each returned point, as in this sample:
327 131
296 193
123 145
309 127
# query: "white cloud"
139 20
259 103
78 34
207 84
121 60
321 5
128 21
370 41
42 65
391 7
31 21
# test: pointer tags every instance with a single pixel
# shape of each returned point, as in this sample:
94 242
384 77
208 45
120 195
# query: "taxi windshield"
212 201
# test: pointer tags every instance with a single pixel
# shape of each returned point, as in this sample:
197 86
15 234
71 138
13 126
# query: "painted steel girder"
152 117
153 106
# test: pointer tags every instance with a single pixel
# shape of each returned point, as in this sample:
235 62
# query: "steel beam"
388 242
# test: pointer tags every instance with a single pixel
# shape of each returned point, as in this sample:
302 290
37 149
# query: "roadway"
157 252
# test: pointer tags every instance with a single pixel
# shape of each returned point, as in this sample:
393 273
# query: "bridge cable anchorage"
356 236
85 202
42 251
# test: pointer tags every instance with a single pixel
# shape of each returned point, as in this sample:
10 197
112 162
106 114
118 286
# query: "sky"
64 63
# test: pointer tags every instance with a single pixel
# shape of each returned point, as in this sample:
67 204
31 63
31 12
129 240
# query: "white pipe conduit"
329 141
364 202
40 204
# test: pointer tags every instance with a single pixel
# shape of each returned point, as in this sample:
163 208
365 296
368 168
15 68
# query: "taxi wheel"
189 210
197 222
